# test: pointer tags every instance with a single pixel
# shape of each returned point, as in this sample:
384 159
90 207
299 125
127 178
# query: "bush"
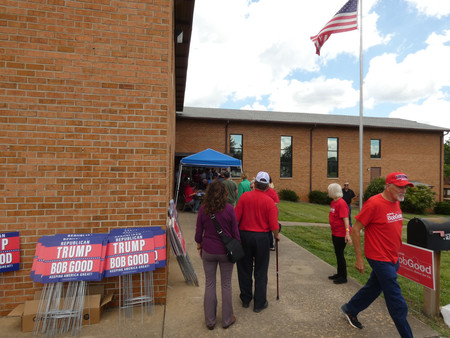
442 208
288 195
319 197
418 199
374 188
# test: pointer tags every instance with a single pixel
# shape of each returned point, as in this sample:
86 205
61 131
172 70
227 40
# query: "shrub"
288 195
418 199
442 208
374 188
319 197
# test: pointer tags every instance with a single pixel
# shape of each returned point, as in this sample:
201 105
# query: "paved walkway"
309 304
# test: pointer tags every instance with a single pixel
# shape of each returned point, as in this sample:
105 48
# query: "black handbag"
234 248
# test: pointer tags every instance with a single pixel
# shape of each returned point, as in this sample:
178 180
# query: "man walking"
348 195
256 214
381 218
232 188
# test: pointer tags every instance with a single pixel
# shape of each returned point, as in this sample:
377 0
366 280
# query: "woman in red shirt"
340 231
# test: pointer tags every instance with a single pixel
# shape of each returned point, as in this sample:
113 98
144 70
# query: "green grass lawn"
317 213
317 240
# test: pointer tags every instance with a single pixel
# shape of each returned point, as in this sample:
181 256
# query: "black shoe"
266 304
340 280
245 305
335 276
351 319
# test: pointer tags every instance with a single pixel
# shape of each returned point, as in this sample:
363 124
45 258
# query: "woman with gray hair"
340 231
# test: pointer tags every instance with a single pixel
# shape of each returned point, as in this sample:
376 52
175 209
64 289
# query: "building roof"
184 14
303 118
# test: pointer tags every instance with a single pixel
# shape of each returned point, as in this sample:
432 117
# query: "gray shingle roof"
302 118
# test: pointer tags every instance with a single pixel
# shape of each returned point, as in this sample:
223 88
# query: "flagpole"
361 133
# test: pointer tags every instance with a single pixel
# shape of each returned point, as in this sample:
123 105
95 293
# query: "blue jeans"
195 204
383 278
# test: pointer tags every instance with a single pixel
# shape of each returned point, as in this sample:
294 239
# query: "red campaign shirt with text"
338 210
383 221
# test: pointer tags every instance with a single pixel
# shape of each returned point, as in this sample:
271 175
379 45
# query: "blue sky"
258 55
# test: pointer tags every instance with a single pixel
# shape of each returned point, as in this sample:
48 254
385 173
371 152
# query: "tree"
447 159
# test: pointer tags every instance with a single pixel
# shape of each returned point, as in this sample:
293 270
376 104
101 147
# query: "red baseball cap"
399 179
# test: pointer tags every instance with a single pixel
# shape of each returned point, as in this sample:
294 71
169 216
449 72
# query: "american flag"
343 21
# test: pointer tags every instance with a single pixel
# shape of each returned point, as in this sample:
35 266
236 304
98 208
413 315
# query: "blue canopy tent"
208 158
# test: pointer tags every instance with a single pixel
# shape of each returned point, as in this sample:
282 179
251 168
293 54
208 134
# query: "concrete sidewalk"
309 304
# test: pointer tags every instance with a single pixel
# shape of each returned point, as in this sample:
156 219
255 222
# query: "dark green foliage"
442 208
447 159
418 199
319 197
288 195
374 188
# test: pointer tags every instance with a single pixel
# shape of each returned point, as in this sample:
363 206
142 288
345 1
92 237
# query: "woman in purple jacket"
212 251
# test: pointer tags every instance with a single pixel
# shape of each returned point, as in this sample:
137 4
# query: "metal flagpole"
361 133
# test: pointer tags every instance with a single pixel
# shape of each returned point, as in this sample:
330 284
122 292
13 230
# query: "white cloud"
435 111
261 53
320 95
414 78
242 49
437 8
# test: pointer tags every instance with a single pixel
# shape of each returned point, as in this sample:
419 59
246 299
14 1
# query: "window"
286 156
375 149
333 161
236 152
236 146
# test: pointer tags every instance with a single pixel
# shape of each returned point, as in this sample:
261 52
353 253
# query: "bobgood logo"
394 217
415 265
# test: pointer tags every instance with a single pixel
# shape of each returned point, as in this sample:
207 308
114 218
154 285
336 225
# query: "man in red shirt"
382 220
256 214
189 195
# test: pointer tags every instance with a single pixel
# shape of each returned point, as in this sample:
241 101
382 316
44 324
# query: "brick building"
88 95
305 152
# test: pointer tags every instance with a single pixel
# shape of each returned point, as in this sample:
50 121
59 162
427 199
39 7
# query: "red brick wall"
416 153
86 123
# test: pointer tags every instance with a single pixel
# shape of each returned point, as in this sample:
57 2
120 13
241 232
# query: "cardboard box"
94 303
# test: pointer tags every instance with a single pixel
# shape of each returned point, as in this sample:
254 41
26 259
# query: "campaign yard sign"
90 257
71 257
9 251
129 253
417 264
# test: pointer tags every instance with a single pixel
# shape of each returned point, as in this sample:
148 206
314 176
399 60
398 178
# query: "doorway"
375 172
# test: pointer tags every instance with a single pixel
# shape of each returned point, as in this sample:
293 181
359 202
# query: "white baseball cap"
263 177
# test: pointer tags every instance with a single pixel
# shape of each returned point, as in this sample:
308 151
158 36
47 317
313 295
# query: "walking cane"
276 251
